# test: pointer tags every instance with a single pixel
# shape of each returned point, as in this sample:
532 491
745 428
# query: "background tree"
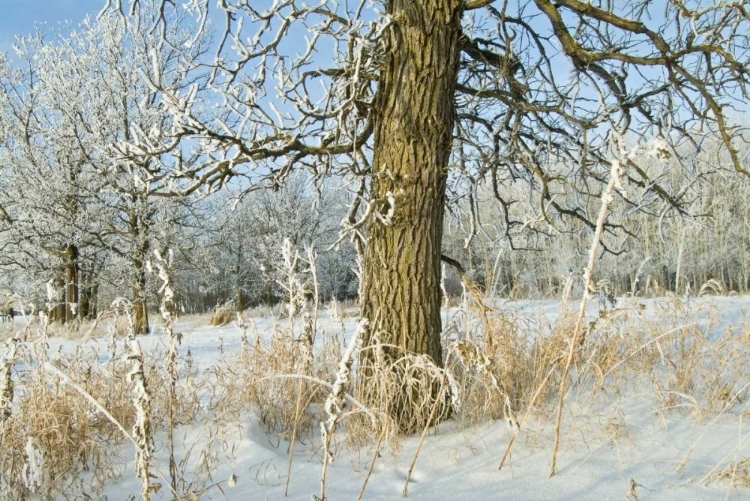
69 112
232 252
706 240
48 195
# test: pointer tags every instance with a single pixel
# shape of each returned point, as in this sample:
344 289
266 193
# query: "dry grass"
275 379
737 473
60 446
400 389
509 368
222 315
62 427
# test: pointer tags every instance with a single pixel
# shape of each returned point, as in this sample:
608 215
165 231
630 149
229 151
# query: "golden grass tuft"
222 315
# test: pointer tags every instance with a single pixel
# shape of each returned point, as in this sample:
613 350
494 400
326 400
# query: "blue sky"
18 16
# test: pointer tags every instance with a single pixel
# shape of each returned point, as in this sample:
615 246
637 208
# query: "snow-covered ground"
621 445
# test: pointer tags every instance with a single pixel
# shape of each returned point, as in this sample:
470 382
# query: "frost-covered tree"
703 239
426 99
234 250
72 110
48 196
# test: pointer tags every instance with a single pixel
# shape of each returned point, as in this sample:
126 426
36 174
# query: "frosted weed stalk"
165 266
141 398
6 380
296 291
336 403
33 470
607 198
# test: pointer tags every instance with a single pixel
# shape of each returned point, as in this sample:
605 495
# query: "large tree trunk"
57 302
414 121
84 294
71 283
88 292
140 306
139 232
240 300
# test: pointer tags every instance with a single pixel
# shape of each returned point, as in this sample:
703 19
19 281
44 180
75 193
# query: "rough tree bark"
139 232
88 292
413 136
57 307
85 301
71 283
140 306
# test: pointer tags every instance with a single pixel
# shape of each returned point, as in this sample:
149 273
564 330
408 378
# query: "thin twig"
607 198
372 463
435 406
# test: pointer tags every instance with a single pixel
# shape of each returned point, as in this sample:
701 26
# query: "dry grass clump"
703 374
68 444
677 349
673 349
222 315
279 380
70 440
105 384
120 325
403 392
736 472
508 369
78 445
263 311
58 445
